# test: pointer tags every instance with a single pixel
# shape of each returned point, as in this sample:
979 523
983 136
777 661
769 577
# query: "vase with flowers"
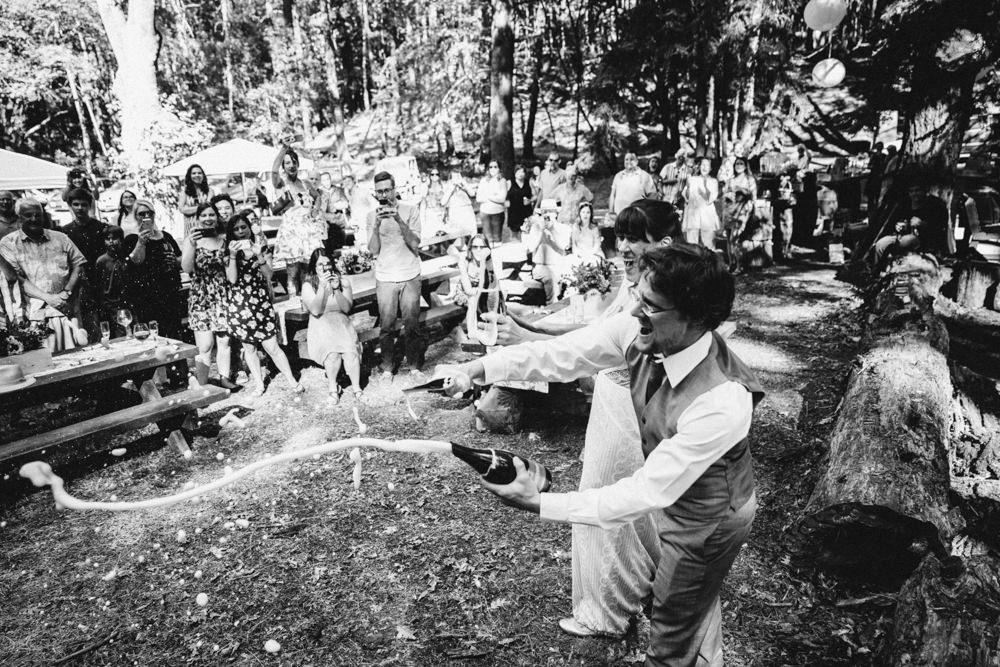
588 283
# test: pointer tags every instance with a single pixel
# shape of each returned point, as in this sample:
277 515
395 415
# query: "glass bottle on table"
105 333
124 317
154 330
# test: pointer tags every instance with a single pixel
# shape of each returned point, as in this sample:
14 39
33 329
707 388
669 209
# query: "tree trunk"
365 55
975 284
882 502
333 83
946 615
302 83
226 9
134 42
701 113
534 89
502 88
74 89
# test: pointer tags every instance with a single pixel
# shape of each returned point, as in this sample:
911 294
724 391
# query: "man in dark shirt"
86 232
921 224
8 217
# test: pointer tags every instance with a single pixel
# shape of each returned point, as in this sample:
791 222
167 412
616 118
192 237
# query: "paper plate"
21 384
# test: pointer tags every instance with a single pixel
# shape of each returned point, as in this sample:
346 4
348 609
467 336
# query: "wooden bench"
171 413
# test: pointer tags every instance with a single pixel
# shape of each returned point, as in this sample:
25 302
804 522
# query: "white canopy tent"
236 156
23 172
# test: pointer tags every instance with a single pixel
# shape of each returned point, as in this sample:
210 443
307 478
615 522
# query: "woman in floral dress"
202 259
302 227
249 311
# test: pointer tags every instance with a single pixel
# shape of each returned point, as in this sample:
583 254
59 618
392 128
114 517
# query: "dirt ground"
421 566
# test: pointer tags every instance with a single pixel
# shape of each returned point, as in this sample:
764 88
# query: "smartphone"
242 244
208 231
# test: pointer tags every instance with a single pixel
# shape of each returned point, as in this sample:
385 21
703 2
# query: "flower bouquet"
586 277
354 261
23 344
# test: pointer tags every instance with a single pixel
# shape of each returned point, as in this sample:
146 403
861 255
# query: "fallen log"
946 615
974 284
881 503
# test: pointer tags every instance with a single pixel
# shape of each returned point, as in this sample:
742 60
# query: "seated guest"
249 309
922 224
154 278
202 258
331 337
111 281
49 269
125 219
585 237
479 286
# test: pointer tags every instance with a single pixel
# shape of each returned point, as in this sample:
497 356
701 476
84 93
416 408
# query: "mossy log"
974 334
881 503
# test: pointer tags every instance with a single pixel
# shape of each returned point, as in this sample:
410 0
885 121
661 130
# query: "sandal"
335 396
298 388
258 390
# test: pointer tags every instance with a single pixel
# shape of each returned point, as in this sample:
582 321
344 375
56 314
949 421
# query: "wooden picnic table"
90 366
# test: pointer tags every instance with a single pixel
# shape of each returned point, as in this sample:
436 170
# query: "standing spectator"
359 202
492 197
49 268
336 213
328 187
629 185
8 217
77 178
331 337
86 232
154 288
302 228
111 280
249 311
394 241
701 220
256 196
546 242
225 206
550 178
784 215
673 177
653 169
585 237
535 182
202 259
803 159
194 193
458 202
740 181
433 212
570 195
125 219
520 201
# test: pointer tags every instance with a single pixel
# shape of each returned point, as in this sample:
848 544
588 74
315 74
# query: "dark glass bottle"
497 465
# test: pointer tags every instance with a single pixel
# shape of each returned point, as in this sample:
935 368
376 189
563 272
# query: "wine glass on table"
124 317
140 331
154 330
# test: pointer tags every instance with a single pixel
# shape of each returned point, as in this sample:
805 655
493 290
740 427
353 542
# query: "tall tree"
501 126
132 36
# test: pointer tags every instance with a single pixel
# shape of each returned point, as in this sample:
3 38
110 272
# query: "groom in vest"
694 400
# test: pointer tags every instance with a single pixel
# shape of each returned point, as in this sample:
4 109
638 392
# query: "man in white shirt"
551 178
694 400
629 185
394 241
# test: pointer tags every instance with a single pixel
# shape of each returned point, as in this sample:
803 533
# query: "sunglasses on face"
144 215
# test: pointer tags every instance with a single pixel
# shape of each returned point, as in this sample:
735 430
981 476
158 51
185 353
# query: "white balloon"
829 73
823 15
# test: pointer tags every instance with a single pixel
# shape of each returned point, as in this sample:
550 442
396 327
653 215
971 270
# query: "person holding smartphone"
394 241
249 310
202 258
303 229
331 337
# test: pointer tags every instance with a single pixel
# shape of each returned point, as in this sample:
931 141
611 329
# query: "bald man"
630 184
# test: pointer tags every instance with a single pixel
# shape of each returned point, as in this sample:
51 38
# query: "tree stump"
974 284
947 614
974 335
881 504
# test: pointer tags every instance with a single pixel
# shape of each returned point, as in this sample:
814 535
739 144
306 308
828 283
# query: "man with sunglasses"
551 178
694 402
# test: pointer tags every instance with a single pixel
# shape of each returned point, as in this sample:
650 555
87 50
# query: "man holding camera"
922 225
394 240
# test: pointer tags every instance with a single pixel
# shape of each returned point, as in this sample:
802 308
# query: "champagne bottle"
497 465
